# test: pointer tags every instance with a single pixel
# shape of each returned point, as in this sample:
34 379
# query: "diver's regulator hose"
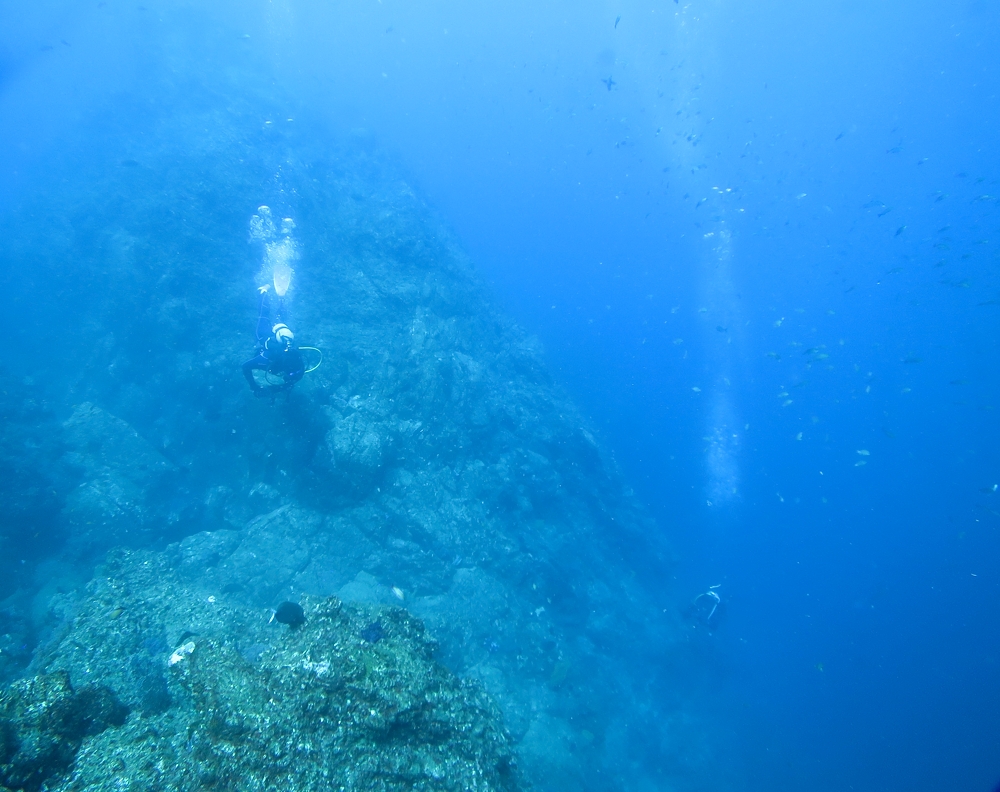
267 374
318 352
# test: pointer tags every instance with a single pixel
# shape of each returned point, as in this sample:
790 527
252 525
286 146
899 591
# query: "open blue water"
760 244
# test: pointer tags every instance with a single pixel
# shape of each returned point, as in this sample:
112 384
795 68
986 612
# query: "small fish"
617 20
609 82
911 359
397 592
696 389
116 613
959 382
894 150
988 490
838 137
289 613
864 452
884 212
722 329
900 230
774 355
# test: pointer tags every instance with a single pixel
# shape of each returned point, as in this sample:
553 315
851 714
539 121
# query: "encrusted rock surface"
43 722
353 699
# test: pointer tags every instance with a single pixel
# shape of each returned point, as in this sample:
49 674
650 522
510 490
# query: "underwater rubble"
429 464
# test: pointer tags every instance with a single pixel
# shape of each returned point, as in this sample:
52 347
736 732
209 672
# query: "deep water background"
759 243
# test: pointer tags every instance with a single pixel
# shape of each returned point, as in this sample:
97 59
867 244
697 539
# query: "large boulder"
43 722
118 500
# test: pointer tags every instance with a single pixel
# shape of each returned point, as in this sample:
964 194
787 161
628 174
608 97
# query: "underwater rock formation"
430 462
43 722
249 703
121 473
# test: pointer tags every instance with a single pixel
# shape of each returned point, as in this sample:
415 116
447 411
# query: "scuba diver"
706 610
277 352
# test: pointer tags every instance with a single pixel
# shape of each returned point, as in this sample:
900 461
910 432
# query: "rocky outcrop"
123 476
351 699
43 723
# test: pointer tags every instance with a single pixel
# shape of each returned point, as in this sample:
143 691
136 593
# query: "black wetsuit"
274 356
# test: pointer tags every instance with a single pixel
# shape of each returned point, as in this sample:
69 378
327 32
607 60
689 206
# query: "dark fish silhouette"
609 82
289 613
617 20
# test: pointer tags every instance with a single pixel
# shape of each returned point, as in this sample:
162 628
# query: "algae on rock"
253 705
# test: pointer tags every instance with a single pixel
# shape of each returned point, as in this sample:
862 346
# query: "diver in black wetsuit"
277 352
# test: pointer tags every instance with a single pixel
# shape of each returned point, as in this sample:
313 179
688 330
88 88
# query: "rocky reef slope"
429 463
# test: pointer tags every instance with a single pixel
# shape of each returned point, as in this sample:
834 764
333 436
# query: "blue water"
760 244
